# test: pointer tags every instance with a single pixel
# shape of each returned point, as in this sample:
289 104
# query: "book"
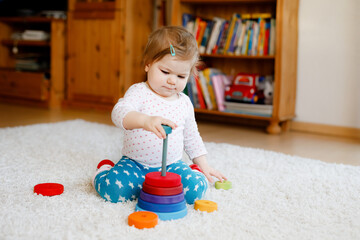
251 38
236 36
255 38
35 35
272 37
224 36
208 72
196 30
239 44
206 37
214 34
202 27
189 92
200 95
261 40
231 31
248 108
219 37
193 87
266 40
219 82
245 45
205 91
186 18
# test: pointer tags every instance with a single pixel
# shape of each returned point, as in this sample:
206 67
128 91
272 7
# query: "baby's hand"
153 124
210 172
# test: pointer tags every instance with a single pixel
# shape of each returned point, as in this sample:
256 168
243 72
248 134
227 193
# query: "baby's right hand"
153 124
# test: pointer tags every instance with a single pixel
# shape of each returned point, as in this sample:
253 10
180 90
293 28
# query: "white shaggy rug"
274 196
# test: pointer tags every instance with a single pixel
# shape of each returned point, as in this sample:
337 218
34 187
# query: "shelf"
9 42
228 114
281 64
28 19
227 1
95 6
45 71
236 56
41 82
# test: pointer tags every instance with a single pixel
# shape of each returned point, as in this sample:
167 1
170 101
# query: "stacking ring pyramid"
162 192
163 195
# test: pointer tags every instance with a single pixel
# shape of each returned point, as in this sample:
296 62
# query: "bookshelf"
34 84
282 65
105 44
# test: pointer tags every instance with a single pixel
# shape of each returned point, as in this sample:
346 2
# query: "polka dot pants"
124 181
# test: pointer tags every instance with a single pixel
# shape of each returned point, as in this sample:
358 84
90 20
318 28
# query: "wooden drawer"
26 85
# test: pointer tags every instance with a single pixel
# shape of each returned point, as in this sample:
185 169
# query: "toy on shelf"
268 91
242 89
205 205
226 185
162 192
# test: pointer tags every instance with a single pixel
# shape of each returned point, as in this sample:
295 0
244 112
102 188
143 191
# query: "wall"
328 82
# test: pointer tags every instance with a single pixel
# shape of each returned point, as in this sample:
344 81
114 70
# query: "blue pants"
124 181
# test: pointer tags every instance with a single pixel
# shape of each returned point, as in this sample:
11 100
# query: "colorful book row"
243 34
207 91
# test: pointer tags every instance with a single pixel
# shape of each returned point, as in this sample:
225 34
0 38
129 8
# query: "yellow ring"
205 205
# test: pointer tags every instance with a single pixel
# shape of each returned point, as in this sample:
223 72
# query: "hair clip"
172 50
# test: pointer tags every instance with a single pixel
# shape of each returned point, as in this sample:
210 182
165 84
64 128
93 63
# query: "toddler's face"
168 76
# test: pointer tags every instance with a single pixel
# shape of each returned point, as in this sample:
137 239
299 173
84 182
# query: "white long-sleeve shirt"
144 146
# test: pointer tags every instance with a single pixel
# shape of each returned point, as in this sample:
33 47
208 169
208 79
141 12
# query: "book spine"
214 50
266 40
206 37
224 36
214 35
239 46
234 19
272 37
200 95
235 39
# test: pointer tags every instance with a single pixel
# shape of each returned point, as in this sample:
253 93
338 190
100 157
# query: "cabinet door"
93 60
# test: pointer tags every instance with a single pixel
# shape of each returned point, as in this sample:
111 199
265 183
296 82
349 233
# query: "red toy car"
242 89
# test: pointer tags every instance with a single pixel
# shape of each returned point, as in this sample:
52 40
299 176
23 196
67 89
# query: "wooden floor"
321 147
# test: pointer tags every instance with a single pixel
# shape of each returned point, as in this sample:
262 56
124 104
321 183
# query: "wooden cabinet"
106 40
32 71
282 65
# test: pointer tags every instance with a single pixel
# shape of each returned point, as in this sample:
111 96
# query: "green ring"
223 185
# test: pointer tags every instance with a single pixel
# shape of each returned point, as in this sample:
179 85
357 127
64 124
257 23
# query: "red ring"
170 180
49 189
162 191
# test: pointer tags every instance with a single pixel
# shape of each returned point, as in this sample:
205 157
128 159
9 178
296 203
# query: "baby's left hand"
208 171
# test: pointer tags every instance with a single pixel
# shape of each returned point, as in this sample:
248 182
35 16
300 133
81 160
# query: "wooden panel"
57 61
94 15
4 50
24 85
91 69
94 6
286 59
136 36
105 55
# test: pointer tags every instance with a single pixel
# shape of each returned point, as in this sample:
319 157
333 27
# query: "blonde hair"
184 44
